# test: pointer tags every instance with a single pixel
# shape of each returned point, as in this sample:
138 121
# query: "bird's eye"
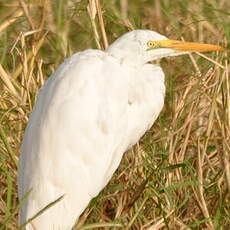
151 44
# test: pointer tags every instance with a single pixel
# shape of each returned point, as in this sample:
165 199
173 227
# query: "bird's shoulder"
81 66
79 71
86 55
84 79
84 61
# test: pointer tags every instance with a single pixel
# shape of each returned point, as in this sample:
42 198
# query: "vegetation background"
178 175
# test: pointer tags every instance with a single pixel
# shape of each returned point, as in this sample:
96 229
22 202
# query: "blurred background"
178 175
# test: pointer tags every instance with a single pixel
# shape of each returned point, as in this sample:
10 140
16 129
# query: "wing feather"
74 129
90 111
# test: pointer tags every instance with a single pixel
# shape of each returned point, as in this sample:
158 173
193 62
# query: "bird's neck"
125 57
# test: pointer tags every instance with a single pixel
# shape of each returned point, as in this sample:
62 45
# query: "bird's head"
141 46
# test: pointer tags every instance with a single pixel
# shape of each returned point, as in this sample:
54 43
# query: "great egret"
90 111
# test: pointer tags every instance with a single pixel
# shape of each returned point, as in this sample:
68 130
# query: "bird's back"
88 113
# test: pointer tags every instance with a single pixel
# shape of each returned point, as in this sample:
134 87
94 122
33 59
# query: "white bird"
96 106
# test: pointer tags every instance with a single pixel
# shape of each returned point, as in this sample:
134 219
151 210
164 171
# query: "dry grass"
178 175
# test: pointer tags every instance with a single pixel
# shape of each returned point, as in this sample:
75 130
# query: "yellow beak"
181 46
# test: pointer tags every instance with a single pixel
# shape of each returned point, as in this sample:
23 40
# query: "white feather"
90 111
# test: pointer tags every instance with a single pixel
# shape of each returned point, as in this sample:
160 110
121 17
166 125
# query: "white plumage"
89 112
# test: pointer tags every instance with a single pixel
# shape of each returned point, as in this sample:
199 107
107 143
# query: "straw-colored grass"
178 175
